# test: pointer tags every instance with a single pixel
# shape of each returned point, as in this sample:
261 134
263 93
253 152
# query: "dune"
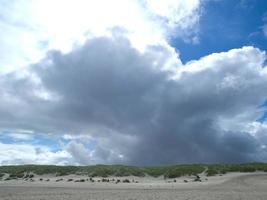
228 186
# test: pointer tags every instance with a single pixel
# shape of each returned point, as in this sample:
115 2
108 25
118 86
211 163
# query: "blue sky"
138 82
226 25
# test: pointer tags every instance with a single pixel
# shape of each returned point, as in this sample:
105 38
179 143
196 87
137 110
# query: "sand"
250 186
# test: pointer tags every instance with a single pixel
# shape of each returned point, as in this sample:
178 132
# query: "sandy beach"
230 186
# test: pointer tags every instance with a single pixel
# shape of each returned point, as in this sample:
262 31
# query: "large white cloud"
138 113
121 93
31 27
179 18
12 154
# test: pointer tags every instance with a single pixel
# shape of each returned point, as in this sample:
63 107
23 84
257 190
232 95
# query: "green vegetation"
21 175
81 180
126 181
181 170
112 170
174 171
224 168
27 171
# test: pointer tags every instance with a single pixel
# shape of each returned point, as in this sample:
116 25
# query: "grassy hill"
121 170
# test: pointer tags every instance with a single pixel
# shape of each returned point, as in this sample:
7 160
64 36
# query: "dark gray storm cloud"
138 113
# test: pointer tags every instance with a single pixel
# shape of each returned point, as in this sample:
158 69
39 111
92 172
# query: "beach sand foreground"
245 186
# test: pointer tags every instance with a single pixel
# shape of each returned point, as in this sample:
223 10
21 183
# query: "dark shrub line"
104 171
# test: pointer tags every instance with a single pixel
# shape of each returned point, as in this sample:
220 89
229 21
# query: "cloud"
111 89
28 32
79 152
17 135
82 155
11 154
139 112
179 18
264 27
19 38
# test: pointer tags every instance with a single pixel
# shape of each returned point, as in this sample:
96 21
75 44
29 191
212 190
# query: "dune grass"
19 171
224 168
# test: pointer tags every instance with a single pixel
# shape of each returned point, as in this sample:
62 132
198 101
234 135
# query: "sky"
138 82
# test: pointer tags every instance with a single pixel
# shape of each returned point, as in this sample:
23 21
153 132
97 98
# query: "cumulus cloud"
28 32
113 90
140 113
13 154
82 155
180 18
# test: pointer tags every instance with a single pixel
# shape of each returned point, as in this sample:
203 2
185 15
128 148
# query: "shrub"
118 181
31 176
20 175
212 172
16 175
120 170
81 180
197 179
92 180
126 181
